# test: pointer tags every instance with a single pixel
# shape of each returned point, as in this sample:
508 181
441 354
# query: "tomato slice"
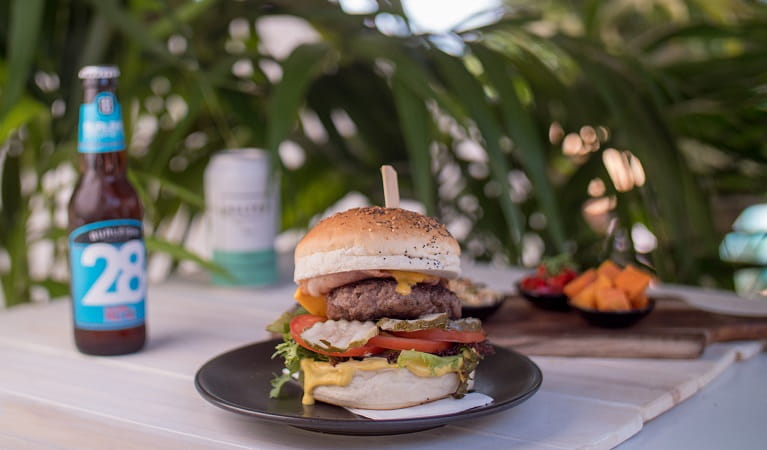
438 334
304 321
404 343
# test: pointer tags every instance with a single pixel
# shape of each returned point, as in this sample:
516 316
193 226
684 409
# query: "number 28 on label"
123 279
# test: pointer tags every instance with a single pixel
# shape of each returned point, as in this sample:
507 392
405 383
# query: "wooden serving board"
672 330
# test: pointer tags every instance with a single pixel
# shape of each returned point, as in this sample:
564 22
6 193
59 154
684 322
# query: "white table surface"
53 396
728 413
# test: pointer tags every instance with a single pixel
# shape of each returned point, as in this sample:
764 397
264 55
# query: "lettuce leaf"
282 324
277 382
427 363
471 358
289 350
463 364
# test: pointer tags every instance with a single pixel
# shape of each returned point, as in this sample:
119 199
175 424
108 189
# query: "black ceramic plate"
238 381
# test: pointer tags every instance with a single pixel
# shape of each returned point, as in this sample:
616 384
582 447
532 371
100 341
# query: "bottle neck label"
101 125
108 274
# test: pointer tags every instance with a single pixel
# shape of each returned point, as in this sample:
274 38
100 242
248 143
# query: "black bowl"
551 302
484 311
615 319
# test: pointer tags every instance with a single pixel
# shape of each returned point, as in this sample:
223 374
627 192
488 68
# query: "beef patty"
374 298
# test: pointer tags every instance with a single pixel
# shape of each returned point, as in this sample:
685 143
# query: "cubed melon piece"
603 282
611 299
632 281
609 269
572 288
639 302
585 298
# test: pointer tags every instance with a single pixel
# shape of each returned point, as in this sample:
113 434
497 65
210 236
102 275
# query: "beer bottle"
106 242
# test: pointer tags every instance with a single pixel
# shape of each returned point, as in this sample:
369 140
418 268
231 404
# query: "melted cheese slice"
319 373
406 280
315 305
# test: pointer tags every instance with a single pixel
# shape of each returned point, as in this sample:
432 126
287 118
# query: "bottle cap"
98 72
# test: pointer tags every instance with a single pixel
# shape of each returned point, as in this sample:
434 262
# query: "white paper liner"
440 407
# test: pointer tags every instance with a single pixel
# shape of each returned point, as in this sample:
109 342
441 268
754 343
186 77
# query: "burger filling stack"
377 327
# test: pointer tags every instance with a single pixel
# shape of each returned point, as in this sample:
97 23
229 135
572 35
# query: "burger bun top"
375 238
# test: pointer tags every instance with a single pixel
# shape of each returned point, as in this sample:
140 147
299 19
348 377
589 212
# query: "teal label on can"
101 125
248 268
108 274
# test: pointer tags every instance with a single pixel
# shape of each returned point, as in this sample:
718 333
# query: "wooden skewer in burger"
378 327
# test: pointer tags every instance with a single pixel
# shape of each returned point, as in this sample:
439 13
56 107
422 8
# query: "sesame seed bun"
376 238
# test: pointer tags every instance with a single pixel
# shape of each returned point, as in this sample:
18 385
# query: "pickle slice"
465 324
435 320
339 335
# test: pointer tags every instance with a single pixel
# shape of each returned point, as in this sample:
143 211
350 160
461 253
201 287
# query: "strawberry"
532 283
550 276
557 282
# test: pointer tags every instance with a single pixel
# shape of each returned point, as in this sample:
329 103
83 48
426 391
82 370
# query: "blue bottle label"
101 125
108 274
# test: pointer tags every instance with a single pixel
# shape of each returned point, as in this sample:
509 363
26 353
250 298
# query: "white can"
242 203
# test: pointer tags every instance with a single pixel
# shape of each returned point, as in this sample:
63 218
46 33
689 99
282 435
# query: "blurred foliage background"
632 129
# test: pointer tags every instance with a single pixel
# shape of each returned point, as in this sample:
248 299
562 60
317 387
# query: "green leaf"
22 112
320 187
281 325
470 93
411 72
15 282
641 126
183 15
158 160
96 43
10 192
515 19
298 70
292 354
189 197
22 42
146 200
415 122
526 134
277 383
352 89
133 29
178 252
56 289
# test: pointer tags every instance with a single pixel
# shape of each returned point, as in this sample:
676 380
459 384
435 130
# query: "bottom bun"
388 389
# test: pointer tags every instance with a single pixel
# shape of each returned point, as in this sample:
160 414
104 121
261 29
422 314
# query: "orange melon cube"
611 299
609 269
639 302
632 281
603 282
585 298
572 288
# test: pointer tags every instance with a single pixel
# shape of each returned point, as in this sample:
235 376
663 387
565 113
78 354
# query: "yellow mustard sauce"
319 373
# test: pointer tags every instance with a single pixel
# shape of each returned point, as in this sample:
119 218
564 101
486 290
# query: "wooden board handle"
391 188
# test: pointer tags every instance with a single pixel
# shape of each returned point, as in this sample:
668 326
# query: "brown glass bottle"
105 202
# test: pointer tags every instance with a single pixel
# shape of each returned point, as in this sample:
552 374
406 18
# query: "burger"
377 326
